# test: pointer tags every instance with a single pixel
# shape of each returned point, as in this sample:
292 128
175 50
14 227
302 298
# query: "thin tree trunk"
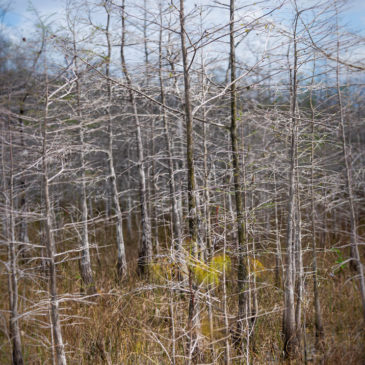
122 262
175 215
299 259
50 244
23 234
194 350
85 262
153 191
227 347
346 148
241 229
145 252
289 324
317 305
17 356
278 256
207 249
193 227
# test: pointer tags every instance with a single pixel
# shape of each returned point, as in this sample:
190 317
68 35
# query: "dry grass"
130 322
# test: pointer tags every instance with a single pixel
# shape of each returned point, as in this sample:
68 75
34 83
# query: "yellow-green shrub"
210 273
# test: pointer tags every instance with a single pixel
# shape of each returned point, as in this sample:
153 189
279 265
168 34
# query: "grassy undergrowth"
132 322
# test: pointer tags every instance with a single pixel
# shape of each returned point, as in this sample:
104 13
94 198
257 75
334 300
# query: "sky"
19 20
19 16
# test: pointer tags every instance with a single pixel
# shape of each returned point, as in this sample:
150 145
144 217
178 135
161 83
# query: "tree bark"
319 332
17 355
85 262
193 318
175 215
241 229
346 148
146 250
289 323
122 262
50 244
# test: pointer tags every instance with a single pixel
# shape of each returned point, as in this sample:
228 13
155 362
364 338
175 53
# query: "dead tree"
241 229
146 249
346 150
50 239
289 320
122 262
9 230
85 262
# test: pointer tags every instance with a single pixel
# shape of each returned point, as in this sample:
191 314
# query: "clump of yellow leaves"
211 272
162 270
256 267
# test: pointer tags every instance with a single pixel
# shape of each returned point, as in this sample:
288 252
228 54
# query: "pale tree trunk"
145 252
17 356
253 302
85 262
227 347
175 215
122 262
180 165
209 250
278 256
298 258
319 332
206 247
129 200
145 43
153 188
50 244
346 148
207 239
289 324
241 229
23 234
173 329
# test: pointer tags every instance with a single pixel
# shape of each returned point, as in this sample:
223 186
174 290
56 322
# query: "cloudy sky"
19 17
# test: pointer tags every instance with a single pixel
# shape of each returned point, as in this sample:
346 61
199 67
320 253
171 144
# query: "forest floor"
130 322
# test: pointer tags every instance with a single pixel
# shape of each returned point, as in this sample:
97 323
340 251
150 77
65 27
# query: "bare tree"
289 322
9 227
85 262
49 230
122 262
145 253
346 148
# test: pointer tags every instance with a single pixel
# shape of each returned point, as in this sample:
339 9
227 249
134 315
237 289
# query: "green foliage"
339 260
